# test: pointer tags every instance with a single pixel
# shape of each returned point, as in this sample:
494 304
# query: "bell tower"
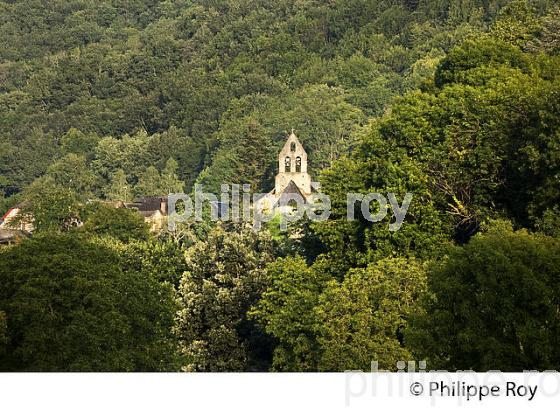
292 167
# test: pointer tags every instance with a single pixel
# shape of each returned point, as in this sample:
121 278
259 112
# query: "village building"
153 209
292 180
12 230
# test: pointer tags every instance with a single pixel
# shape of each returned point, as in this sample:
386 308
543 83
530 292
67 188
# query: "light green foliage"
363 319
549 224
169 181
162 258
150 183
224 277
71 172
516 23
49 207
119 189
472 54
128 153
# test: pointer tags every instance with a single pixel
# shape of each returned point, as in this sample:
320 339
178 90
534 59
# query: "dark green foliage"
69 306
209 82
162 258
286 310
494 305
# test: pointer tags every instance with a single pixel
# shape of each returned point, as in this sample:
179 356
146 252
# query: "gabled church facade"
292 168
292 178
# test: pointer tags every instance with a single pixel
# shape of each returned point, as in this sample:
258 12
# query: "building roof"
148 205
7 214
291 189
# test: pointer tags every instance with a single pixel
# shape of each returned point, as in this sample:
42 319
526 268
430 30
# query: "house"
153 209
12 230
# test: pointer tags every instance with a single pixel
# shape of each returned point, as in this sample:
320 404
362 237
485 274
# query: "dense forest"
457 102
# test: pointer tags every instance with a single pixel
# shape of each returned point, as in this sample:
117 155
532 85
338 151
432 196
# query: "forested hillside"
457 102
205 82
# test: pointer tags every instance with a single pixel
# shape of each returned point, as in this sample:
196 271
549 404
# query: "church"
292 178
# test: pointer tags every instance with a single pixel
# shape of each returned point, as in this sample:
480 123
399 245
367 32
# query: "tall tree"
494 305
119 188
224 277
169 180
70 306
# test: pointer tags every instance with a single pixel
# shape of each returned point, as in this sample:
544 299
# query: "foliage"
119 189
123 224
286 311
49 207
363 319
454 102
224 276
63 297
494 305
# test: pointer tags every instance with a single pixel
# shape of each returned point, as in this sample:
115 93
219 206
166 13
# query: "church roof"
291 189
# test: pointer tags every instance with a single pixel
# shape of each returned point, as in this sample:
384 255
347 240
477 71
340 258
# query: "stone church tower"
292 169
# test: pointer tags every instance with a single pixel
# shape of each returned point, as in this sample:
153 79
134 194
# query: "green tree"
170 182
494 305
150 183
471 54
79 143
119 188
363 319
123 224
72 172
286 311
70 306
49 207
224 277
162 258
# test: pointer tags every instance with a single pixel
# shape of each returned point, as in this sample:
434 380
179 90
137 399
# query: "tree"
517 23
49 207
123 224
79 143
224 277
71 171
471 54
160 257
494 305
70 306
363 319
3 333
119 189
170 182
150 183
286 311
